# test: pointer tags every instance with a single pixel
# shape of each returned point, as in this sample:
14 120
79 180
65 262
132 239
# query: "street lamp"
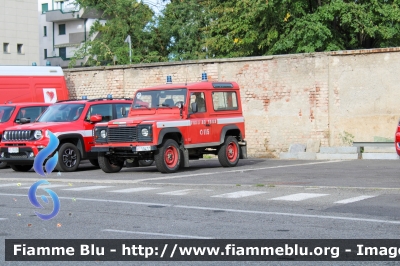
128 40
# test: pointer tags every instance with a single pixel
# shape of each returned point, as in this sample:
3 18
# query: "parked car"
173 123
72 121
397 139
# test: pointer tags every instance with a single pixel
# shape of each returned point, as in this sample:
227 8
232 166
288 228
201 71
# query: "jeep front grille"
17 135
122 134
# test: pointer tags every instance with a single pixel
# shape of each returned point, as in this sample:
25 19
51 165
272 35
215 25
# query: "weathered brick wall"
286 99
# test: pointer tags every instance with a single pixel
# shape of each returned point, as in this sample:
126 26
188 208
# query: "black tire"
69 158
94 162
229 152
3 165
107 166
168 157
146 162
21 168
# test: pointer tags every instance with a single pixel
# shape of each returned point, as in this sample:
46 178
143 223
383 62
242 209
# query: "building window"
62 52
61 29
45 53
44 31
6 48
45 8
20 48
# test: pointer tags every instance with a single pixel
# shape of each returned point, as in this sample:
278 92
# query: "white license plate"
13 150
143 148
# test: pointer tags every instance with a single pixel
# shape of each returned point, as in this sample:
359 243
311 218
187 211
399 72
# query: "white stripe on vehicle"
181 123
230 120
84 133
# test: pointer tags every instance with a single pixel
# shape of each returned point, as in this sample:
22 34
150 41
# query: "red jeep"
397 139
13 114
72 121
173 123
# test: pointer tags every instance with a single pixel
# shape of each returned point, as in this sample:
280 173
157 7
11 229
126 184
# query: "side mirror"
194 107
25 120
123 111
96 118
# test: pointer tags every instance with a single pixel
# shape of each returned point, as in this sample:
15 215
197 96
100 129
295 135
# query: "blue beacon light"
169 79
204 76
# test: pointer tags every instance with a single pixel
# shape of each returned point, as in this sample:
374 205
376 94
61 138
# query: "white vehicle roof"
31 71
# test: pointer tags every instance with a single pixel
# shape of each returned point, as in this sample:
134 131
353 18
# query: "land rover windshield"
159 98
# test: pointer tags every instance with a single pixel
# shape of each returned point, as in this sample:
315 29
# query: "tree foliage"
199 29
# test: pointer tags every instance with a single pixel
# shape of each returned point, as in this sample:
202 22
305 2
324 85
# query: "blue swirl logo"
49 166
43 154
34 201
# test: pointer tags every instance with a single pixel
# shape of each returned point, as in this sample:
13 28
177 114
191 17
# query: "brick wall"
286 99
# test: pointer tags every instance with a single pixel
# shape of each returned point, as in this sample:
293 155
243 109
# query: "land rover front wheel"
69 158
168 157
109 166
228 154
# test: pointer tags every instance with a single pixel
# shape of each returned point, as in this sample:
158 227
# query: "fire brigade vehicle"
72 121
173 123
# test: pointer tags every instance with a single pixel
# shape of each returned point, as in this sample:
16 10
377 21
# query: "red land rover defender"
174 123
72 121
18 113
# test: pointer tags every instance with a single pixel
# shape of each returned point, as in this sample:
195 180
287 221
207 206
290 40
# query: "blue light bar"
204 76
109 96
84 97
34 64
169 79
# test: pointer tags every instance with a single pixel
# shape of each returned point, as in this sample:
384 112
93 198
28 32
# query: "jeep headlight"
145 132
38 134
103 133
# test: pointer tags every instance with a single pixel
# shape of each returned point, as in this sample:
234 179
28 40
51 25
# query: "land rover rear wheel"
109 166
228 154
69 158
168 157
94 162
21 168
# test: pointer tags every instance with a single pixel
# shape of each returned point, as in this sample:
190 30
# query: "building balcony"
90 13
60 15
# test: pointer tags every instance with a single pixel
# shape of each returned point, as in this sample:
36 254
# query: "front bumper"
133 149
23 157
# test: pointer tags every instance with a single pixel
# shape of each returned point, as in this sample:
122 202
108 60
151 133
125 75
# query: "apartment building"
19 34
63 28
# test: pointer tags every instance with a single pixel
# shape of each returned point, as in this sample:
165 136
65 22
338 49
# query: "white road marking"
176 192
228 210
3 219
48 186
227 172
136 189
10 185
86 188
300 196
239 194
154 234
355 199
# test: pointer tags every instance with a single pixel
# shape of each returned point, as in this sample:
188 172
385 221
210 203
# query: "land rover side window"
159 98
119 107
224 100
105 110
62 113
198 97
5 113
29 112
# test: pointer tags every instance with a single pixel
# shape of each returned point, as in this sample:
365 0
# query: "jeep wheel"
3 165
168 157
21 168
228 154
107 166
69 158
146 162
94 162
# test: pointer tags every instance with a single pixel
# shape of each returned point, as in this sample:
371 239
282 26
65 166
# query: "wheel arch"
170 133
230 130
76 139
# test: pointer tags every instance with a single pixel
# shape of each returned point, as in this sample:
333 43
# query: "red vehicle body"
72 122
19 113
32 84
173 123
397 139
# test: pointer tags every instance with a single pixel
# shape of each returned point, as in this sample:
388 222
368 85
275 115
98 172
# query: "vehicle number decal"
205 131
